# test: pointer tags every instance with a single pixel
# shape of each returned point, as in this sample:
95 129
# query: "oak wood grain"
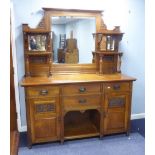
74 78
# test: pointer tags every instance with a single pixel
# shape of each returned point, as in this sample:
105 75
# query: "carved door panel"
45 122
116 112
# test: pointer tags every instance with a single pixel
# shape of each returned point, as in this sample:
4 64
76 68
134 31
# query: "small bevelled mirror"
37 42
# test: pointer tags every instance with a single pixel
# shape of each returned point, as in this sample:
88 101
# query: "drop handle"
44 92
81 101
82 89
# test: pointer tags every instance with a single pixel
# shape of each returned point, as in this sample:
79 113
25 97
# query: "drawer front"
81 89
81 102
42 91
117 86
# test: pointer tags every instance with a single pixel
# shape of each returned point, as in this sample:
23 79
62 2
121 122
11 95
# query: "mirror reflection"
72 39
37 42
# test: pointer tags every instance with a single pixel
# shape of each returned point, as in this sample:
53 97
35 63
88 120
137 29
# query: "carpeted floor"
109 145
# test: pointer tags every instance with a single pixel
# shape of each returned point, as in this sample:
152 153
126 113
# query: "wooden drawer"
81 102
117 86
81 89
42 91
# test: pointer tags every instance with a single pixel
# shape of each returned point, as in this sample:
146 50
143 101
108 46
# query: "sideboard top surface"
74 78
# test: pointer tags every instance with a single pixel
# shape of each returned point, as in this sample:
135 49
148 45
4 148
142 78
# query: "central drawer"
80 102
81 89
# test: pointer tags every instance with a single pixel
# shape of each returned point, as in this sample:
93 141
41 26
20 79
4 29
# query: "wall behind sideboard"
129 14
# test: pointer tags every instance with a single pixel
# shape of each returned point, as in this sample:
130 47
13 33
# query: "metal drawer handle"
82 89
116 87
44 92
81 101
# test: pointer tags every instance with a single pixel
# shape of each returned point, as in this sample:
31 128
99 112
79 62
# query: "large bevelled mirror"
72 39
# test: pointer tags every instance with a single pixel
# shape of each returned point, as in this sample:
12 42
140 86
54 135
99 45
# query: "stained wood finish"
74 78
78 100
116 115
81 89
77 105
117 86
79 125
81 102
107 62
14 142
37 59
44 27
43 91
44 119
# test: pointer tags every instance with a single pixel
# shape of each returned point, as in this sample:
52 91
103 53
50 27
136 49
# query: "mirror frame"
46 24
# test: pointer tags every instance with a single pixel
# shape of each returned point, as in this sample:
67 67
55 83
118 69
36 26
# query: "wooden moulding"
73 68
45 26
38 30
46 22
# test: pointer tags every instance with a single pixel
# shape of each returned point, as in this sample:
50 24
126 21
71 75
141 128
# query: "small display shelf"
37 51
106 55
79 125
108 40
107 62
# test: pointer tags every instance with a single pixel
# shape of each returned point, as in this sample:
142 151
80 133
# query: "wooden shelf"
108 52
37 53
109 32
81 129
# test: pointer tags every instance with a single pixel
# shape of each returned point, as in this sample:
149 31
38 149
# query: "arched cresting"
79 124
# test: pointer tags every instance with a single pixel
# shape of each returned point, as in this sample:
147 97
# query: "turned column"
100 65
119 62
50 65
27 66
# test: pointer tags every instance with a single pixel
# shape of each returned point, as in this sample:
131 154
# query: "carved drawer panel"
42 91
117 86
45 107
117 102
81 89
81 102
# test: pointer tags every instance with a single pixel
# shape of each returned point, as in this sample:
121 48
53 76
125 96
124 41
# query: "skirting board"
137 116
133 116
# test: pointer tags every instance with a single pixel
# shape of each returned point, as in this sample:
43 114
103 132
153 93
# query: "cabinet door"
45 123
117 111
45 129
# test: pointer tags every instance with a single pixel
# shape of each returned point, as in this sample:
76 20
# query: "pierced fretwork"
118 101
49 107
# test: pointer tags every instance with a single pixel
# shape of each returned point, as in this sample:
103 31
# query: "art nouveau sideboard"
69 101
